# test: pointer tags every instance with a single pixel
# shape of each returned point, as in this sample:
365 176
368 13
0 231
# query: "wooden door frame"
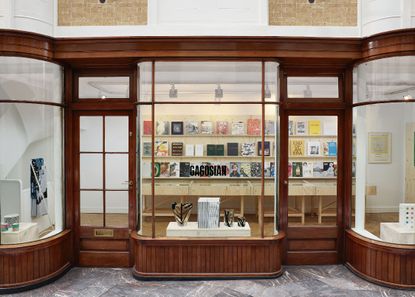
86 232
284 145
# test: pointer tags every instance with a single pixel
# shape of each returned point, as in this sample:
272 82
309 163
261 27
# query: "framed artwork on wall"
380 147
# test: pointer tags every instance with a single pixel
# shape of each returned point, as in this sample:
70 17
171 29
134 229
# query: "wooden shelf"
206 135
311 157
312 136
208 157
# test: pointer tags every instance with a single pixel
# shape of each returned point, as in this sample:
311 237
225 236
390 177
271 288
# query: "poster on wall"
38 187
380 148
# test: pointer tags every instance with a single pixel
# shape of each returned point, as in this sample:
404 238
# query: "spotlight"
407 97
103 97
172 92
218 92
267 91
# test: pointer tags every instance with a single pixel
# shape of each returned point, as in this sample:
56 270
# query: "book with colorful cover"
301 128
162 128
297 147
164 169
176 128
332 148
297 169
313 148
156 169
248 149
222 128
191 127
290 169
267 148
245 169
314 127
238 128
161 148
147 127
147 149
269 169
328 169
291 128
307 169
234 169
269 127
177 148
256 169
174 169
254 127
206 127
318 169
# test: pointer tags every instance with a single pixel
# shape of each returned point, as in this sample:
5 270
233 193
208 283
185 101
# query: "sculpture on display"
208 212
228 217
182 211
241 221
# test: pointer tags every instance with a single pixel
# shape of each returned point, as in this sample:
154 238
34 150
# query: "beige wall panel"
320 13
410 167
94 13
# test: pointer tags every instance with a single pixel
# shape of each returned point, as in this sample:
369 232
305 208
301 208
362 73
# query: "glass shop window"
104 87
312 87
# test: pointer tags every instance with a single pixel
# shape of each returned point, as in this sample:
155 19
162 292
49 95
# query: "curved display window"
31 149
211 126
384 151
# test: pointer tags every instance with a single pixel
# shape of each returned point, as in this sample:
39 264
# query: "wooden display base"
179 258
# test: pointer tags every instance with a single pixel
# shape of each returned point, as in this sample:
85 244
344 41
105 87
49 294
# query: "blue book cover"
332 145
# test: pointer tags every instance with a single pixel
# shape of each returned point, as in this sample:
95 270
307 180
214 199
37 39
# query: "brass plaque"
103 232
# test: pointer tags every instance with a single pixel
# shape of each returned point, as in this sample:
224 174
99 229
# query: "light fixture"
267 91
103 97
218 92
407 97
172 92
307 92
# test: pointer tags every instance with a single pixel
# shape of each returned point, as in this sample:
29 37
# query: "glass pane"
385 79
208 81
144 81
312 87
116 209
91 134
92 208
116 171
30 79
91 172
104 87
385 172
271 82
312 170
209 151
116 134
31 172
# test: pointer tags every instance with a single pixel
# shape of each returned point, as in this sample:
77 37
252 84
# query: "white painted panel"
34 15
380 15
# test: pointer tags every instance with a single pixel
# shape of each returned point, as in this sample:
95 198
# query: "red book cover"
290 169
254 127
148 127
222 128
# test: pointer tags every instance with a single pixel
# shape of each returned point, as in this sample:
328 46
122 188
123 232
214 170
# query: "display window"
383 149
214 144
31 150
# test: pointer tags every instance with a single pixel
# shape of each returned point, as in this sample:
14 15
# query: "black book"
184 169
177 149
267 148
233 148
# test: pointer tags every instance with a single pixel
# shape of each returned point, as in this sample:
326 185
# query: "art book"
147 127
177 148
248 149
297 168
296 147
267 148
161 148
156 169
190 150
184 169
191 127
291 128
162 128
314 127
269 169
256 169
164 169
301 128
269 128
222 128
332 148
238 128
234 169
245 170
206 127
317 169
198 150
328 169
38 187
147 149
254 127
290 169
174 169
313 148
177 128
232 149
307 169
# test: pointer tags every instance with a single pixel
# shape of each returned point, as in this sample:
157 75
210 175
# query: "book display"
313 166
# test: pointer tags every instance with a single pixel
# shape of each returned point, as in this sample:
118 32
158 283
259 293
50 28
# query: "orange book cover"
254 127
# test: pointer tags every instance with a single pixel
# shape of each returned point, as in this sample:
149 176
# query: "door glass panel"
90 134
312 170
91 171
116 134
116 171
116 208
92 208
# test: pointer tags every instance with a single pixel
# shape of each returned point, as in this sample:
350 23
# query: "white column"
6 14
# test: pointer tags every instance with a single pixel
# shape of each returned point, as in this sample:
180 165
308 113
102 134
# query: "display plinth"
190 229
393 232
27 232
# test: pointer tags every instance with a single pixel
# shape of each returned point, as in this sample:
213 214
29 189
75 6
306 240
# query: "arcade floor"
296 281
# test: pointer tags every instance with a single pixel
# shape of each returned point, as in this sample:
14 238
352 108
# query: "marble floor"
296 281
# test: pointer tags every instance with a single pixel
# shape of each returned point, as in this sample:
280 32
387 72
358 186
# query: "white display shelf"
312 136
190 229
27 232
311 157
206 135
208 157
394 233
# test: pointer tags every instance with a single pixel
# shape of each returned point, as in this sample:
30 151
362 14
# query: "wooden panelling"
107 245
181 258
34 263
104 259
386 264
312 257
306 244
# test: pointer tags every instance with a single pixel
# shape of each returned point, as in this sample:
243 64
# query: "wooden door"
104 187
